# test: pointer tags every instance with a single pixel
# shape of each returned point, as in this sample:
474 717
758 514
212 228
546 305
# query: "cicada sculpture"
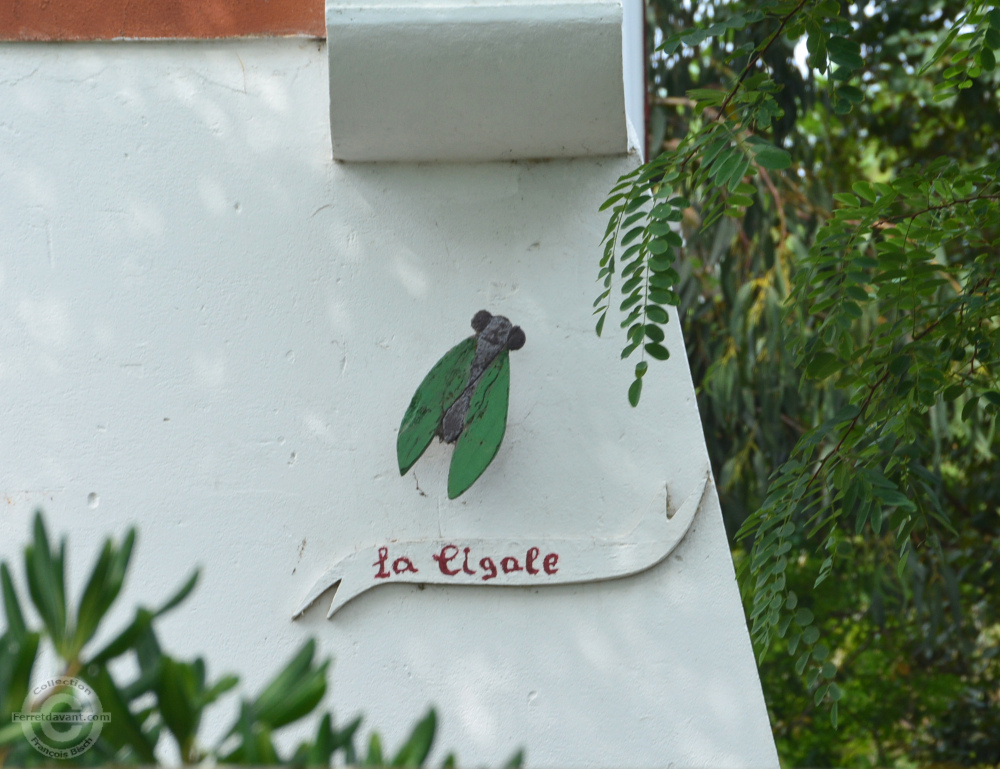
463 400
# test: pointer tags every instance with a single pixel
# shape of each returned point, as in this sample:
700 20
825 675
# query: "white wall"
214 330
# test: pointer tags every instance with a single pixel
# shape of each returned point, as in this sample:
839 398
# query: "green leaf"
725 165
176 689
876 516
416 748
631 235
893 497
707 97
844 52
664 281
628 349
321 751
635 392
374 757
294 692
103 588
220 687
847 199
46 583
635 298
900 364
126 639
713 150
856 293
657 314
657 351
12 606
123 729
610 201
10 734
771 157
987 60
952 392
850 94
654 332
17 660
344 739
658 246
823 365
182 593
865 190
735 177
736 21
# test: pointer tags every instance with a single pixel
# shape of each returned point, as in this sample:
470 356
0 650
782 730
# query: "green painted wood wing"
485 424
463 400
440 388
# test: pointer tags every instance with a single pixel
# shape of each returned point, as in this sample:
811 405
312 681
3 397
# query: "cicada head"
481 320
497 332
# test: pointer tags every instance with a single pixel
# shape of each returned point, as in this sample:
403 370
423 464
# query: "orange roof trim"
138 19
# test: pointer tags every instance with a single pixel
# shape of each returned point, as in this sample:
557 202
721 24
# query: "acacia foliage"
830 234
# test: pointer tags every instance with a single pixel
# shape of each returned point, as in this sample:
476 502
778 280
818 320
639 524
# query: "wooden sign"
463 399
510 563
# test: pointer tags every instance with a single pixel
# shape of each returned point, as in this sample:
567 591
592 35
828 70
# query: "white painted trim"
634 73
472 82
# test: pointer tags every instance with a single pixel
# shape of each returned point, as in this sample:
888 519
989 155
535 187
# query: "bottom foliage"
166 700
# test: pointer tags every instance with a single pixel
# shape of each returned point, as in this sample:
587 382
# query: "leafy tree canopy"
823 207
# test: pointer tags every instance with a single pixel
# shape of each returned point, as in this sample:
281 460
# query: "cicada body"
463 400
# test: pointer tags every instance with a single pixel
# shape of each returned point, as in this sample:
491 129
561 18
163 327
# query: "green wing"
485 424
440 388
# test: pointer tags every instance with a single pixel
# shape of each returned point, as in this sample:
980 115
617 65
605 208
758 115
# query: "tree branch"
939 207
854 422
757 56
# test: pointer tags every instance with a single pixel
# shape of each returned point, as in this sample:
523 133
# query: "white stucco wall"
209 329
